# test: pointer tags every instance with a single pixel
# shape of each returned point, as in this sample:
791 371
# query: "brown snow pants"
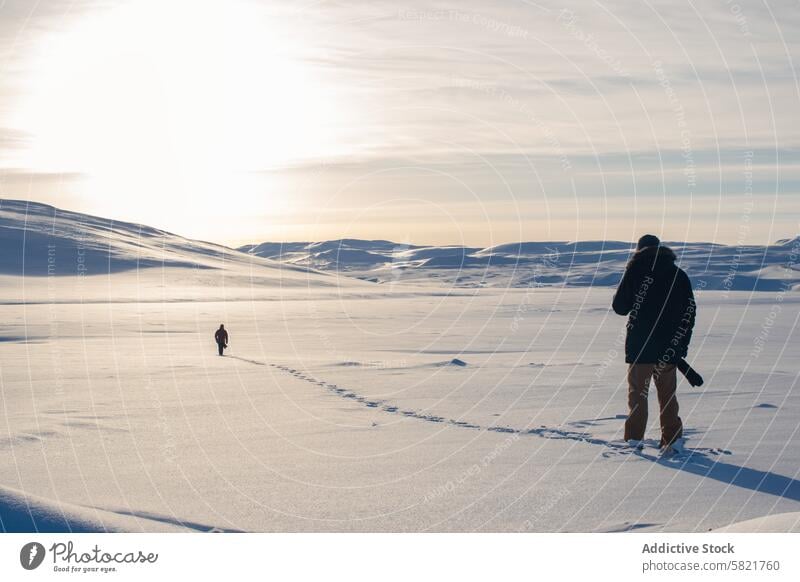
638 384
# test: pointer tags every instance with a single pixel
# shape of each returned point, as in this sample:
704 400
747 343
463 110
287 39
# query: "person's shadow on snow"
762 481
702 462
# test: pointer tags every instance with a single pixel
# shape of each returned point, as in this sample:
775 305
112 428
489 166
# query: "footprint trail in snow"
616 448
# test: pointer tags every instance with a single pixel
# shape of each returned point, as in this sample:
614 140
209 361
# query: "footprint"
612 454
463 424
710 451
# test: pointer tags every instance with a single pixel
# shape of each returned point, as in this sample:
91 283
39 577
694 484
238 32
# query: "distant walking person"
221 337
657 297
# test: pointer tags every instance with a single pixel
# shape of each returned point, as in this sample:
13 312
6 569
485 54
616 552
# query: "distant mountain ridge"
39 240
533 264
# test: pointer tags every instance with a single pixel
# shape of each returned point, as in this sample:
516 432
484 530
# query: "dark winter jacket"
657 297
221 336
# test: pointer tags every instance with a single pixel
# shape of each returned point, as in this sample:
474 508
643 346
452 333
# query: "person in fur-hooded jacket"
657 297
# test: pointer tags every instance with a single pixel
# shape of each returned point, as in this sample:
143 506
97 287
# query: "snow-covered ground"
343 405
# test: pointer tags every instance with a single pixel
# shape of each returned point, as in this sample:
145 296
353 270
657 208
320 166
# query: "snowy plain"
344 405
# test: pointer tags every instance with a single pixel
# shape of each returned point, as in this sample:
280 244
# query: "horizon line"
308 241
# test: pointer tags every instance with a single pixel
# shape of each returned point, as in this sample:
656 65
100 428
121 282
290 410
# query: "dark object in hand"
691 374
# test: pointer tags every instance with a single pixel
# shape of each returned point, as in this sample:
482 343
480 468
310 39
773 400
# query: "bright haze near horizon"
466 122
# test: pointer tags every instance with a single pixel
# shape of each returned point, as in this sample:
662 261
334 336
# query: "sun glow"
169 103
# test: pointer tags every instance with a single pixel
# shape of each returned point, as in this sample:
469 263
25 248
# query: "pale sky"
470 122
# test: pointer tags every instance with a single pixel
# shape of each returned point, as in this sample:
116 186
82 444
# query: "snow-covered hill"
535 264
43 240
39 240
51 255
